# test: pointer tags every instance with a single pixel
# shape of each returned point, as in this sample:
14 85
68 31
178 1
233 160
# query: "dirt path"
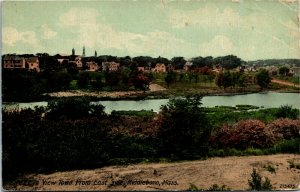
156 87
231 171
278 81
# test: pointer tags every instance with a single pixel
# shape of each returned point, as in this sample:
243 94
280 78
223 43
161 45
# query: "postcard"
150 95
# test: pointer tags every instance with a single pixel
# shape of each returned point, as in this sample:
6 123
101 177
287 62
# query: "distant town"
39 62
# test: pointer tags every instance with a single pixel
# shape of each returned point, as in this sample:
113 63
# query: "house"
14 62
32 64
159 68
78 62
187 66
141 69
92 66
110 66
295 71
272 69
62 60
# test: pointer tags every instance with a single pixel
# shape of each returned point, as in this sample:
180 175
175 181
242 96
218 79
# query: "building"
92 66
141 69
14 62
159 68
295 71
187 66
110 66
32 63
83 51
78 62
17 62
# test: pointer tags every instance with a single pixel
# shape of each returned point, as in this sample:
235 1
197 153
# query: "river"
266 100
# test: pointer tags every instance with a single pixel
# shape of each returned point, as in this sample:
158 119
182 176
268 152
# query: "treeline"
48 62
30 86
73 134
275 62
239 79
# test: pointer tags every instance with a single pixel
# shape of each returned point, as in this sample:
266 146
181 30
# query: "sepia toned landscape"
150 95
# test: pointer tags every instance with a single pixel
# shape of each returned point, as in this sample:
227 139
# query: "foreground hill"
233 172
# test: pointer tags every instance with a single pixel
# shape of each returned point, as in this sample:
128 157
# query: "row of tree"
48 62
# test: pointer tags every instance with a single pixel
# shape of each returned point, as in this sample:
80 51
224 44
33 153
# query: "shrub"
244 134
287 111
292 164
216 187
72 108
270 168
288 146
193 187
83 80
256 183
185 129
285 128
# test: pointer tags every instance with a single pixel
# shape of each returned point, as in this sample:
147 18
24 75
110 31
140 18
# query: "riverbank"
156 91
233 172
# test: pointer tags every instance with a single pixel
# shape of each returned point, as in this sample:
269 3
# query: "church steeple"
95 53
83 51
73 51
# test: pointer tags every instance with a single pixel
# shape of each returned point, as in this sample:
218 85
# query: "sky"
249 29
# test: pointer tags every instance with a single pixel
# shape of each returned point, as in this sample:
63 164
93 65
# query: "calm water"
266 100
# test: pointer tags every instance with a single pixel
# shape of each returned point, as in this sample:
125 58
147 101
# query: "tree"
185 129
256 183
97 83
228 62
219 80
112 78
242 80
227 79
143 61
162 60
170 78
178 62
72 70
141 82
83 80
283 71
263 78
73 108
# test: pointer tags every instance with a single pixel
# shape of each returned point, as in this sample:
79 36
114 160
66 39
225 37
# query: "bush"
244 134
256 183
216 187
287 111
285 128
270 168
185 129
72 108
293 164
288 146
83 80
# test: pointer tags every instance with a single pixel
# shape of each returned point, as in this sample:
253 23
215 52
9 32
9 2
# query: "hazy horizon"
251 30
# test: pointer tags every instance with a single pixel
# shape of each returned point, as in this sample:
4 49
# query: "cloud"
219 45
206 16
79 16
48 33
11 36
94 32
